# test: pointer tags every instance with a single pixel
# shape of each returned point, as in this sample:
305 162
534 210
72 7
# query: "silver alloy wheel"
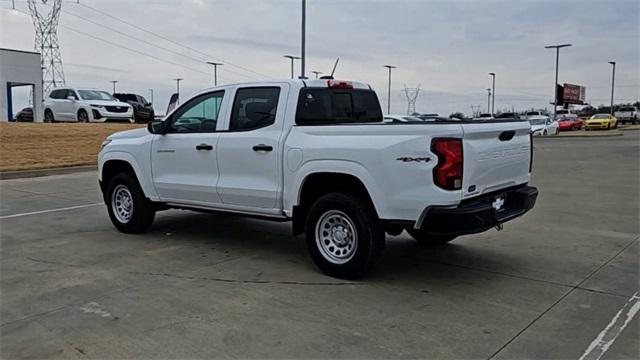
336 237
122 203
83 116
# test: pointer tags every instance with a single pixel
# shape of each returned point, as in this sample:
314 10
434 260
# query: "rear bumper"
478 214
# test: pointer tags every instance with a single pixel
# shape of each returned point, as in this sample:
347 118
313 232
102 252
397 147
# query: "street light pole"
177 80
489 101
151 90
317 73
114 82
493 91
292 59
613 82
389 88
555 85
215 71
303 45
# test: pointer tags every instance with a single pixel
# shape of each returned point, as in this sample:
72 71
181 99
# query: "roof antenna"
332 71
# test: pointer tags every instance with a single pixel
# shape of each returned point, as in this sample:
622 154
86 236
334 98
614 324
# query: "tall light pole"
613 82
114 82
489 101
493 91
292 59
177 80
215 71
317 73
303 45
151 91
389 88
555 84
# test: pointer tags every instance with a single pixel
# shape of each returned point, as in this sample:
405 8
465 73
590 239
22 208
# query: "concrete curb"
588 134
19 174
627 129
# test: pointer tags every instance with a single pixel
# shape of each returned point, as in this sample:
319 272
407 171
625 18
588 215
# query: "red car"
569 122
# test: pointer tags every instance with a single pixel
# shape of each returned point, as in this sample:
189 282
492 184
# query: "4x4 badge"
412 159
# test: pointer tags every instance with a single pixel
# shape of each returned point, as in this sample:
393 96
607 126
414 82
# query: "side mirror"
148 104
156 127
72 98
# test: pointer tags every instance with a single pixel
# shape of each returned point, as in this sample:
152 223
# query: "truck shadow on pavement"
270 244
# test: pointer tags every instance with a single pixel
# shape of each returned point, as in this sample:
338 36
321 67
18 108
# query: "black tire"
48 116
608 126
352 215
82 116
142 210
425 239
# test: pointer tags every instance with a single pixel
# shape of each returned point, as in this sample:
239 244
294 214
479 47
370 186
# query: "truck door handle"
204 147
262 147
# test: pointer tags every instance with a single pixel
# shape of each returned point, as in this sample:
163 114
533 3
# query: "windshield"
537 121
95 95
625 109
602 116
125 97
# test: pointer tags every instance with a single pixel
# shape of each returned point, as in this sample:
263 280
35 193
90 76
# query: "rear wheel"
344 235
426 239
48 116
129 210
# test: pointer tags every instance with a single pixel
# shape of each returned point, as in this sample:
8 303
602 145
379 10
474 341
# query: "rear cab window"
329 106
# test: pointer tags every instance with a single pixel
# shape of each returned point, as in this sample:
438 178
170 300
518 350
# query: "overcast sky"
446 46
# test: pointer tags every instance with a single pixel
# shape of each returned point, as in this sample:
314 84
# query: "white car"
85 105
317 153
542 125
483 117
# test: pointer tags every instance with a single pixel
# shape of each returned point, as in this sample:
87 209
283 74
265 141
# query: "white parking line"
603 341
49 211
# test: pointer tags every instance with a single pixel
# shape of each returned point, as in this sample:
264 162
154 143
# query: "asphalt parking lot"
549 286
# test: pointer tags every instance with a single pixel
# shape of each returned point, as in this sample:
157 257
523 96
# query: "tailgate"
496 156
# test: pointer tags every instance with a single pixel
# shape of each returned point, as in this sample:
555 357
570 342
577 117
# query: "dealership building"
20 68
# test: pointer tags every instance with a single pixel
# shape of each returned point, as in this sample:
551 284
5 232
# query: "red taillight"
530 152
448 173
339 84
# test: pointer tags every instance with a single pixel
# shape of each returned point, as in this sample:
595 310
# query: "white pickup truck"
627 114
317 153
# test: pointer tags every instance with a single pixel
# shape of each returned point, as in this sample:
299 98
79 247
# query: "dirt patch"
26 146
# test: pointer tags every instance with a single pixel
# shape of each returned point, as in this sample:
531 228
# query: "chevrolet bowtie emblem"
498 203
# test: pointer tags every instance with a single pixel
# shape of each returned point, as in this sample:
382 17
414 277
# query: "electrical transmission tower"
46 29
412 96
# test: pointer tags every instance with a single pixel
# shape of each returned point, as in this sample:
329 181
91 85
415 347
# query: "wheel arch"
318 183
115 162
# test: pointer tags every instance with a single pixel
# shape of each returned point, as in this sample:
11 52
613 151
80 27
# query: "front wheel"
344 235
83 116
425 239
128 208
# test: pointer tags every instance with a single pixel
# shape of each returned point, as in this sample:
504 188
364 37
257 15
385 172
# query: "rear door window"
325 106
254 108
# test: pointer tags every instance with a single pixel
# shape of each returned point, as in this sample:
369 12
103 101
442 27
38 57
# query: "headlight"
97 106
104 143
